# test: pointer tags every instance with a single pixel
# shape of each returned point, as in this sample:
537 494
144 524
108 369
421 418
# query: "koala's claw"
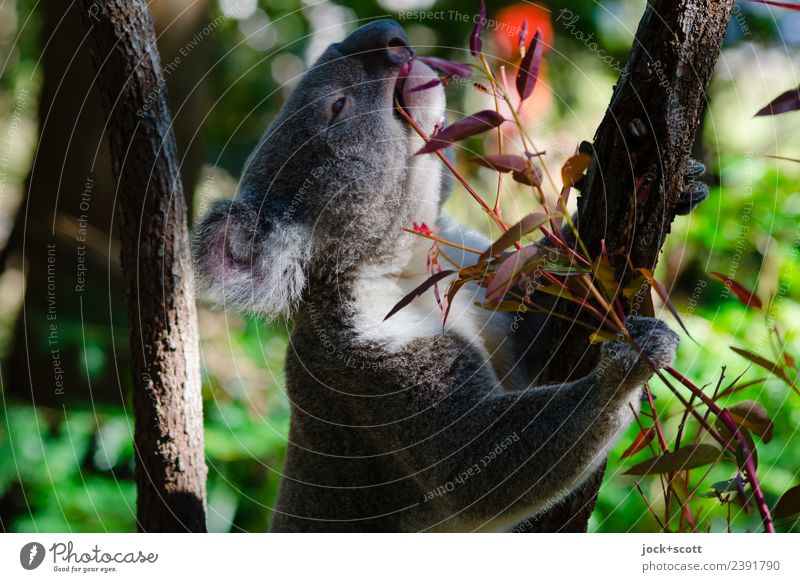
694 191
695 169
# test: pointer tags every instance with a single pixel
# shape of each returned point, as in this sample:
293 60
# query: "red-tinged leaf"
430 282
503 162
752 415
744 295
765 364
452 289
784 103
421 228
574 168
661 291
522 171
530 177
564 195
577 288
683 459
515 233
644 438
778 4
528 72
449 68
789 503
789 360
425 86
565 191
462 129
505 275
402 77
475 42
523 37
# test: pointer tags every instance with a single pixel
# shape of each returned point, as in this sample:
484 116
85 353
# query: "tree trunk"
640 153
157 270
67 214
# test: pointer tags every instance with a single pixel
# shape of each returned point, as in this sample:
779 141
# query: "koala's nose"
381 37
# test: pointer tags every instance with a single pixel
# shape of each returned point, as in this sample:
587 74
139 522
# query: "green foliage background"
71 469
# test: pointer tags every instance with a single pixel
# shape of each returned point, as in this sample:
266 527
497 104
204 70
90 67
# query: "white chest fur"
380 288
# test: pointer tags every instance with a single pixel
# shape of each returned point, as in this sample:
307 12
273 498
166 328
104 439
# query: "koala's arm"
496 457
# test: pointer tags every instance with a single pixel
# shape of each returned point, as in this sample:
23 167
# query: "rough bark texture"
641 149
68 209
171 470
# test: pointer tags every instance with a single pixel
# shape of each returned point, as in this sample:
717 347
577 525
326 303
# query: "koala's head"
331 182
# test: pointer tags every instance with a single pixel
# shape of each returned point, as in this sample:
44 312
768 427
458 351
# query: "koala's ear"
246 262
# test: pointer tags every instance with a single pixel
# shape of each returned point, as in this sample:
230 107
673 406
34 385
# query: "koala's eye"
337 107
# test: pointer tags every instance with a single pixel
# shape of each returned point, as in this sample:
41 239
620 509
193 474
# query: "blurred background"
66 459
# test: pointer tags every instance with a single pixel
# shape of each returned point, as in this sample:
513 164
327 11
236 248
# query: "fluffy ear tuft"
245 262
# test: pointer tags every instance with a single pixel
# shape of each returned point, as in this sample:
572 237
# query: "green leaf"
684 458
729 486
720 488
604 275
633 287
602 336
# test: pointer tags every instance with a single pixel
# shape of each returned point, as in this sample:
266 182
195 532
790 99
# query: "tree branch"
641 150
170 463
643 143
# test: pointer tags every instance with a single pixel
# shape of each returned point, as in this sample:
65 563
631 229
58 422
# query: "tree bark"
68 210
640 153
156 263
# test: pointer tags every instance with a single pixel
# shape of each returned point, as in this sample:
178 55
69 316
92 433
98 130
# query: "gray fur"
396 425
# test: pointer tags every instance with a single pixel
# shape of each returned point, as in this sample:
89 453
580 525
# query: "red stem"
553 238
749 465
452 169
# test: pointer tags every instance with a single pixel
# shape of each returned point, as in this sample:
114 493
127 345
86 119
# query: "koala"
398 425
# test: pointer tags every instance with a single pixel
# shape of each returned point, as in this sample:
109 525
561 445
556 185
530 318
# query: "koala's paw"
655 338
694 190
622 366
